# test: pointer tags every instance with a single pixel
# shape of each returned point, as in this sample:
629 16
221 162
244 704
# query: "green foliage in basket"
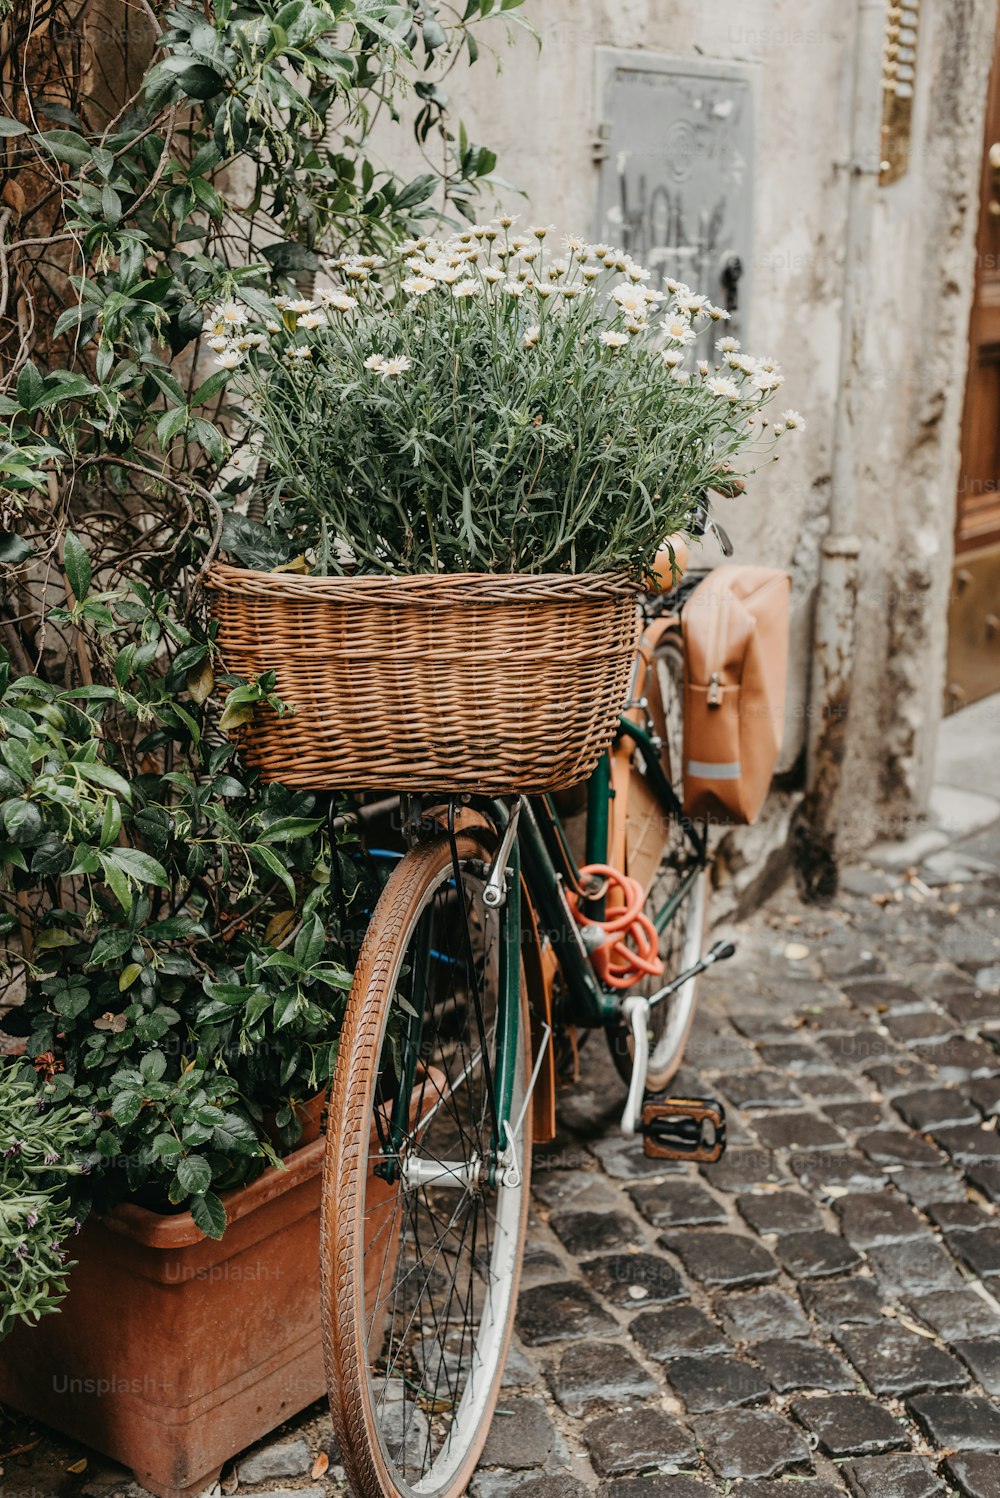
40 1145
489 403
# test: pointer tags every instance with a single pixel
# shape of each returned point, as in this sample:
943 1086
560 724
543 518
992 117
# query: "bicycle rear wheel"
423 1231
677 868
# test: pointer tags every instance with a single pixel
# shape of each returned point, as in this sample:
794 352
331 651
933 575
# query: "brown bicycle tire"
344 1341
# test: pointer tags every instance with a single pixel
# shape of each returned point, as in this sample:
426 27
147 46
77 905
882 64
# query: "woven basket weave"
469 682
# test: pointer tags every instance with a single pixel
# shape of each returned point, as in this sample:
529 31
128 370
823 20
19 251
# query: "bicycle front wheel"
425 1194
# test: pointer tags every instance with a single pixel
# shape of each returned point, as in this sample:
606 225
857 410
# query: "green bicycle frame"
542 854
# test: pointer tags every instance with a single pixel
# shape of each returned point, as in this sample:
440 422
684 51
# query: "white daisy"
793 421
418 285
302 305
678 330
727 389
682 376
728 345
229 358
631 300
229 312
692 303
301 351
393 367
375 361
671 357
338 300
766 379
218 342
611 339
514 288
531 335
312 320
467 288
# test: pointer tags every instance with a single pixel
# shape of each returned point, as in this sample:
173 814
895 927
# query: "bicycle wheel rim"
428 1422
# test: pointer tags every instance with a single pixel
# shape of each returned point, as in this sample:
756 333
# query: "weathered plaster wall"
541 112
922 282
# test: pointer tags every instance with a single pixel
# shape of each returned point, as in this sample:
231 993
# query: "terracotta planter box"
173 1352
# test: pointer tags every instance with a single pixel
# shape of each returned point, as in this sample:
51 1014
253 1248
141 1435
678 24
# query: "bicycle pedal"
683 1128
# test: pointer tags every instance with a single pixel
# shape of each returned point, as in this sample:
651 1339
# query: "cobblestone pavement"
815 1315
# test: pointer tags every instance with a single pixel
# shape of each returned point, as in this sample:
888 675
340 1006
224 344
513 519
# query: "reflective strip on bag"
703 770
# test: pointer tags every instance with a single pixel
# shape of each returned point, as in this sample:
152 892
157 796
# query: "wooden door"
974 613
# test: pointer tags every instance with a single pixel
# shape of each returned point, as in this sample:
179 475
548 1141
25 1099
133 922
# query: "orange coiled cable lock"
630 949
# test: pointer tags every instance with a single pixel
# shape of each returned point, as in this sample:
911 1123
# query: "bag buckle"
679 1128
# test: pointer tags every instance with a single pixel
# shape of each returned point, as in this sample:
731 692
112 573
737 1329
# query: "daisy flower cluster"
503 398
526 287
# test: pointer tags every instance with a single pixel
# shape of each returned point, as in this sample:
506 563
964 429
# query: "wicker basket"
469 682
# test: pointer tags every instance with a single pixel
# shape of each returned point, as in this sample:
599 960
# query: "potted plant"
474 451
167 939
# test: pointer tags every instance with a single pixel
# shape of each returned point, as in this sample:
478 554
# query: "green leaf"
153 1065
209 1215
199 81
54 937
167 1147
14 549
22 822
235 715
120 886
287 829
66 145
103 776
109 946
10 127
111 204
129 975
269 860
77 564
126 1108
137 865
194 1174
30 386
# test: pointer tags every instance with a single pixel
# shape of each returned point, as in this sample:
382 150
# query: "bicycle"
487 940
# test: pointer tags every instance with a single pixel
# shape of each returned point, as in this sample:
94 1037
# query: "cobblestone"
754 1318
898 1476
850 1424
676 1204
751 1443
779 1212
629 1279
716 1383
958 1420
592 1374
669 1333
802 1365
630 1441
976 1474
808 1256
722 1259
894 1361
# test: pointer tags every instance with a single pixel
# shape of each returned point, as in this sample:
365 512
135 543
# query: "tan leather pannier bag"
735 627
